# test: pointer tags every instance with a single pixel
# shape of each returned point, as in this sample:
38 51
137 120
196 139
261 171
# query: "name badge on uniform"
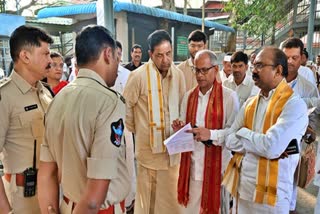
116 132
31 107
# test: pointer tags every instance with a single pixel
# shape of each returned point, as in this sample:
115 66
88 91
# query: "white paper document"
180 141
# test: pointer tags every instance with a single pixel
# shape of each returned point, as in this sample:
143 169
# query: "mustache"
255 76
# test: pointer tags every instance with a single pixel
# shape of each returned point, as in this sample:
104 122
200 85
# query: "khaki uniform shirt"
137 117
189 74
84 127
22 110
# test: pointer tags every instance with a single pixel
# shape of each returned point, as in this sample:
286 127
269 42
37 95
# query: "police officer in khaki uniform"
84 148
23 101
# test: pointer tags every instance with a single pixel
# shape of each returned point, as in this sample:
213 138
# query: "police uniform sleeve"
106 148
4 118
45 153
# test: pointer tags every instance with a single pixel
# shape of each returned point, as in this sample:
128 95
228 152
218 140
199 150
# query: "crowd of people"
95 143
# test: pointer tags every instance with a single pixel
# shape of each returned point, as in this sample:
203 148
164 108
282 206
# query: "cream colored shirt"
22 110
230 110
189 74
244 90
84 127
137 117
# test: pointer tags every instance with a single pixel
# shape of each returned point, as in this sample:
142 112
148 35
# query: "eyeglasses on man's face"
259 66
203 71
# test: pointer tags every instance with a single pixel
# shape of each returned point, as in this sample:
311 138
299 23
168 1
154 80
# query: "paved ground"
306 200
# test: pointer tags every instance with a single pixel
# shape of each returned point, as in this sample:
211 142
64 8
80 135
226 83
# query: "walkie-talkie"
30 176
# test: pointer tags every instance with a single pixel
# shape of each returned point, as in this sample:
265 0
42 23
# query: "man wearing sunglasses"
211 108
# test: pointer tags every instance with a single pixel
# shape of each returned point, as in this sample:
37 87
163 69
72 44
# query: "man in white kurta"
257 144
206 83
241 82
293 48
225 73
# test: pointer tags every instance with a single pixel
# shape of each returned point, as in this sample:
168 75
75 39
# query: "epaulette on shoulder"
4 81
118 95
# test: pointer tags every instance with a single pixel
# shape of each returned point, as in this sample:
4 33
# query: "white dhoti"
249 207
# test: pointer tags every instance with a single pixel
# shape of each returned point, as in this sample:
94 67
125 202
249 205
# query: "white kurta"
307 92
245 90
308 74
230 109
291 124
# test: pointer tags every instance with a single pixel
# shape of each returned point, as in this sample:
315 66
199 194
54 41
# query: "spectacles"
259 66
203 71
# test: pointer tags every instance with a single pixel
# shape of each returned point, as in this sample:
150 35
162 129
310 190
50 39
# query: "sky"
179 3
11 4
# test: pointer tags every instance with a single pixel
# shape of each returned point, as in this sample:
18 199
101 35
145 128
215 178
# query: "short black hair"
158 37
279 58
27 37
90 41
197 36
305 52
239 56
54 54
119 44
292 43
135 46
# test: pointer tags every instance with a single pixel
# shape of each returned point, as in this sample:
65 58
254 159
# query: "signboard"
182 46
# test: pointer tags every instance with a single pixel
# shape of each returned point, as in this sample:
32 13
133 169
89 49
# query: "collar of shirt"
269 95
169 74
207 93
23 85
190 62
246 80
293 82
84 72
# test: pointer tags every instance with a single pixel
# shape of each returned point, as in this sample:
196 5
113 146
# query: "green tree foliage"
256 16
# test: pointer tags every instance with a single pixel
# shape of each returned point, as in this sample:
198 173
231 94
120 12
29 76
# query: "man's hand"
200 134
177 125
284 155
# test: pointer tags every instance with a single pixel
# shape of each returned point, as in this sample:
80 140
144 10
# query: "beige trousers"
19 203
157 191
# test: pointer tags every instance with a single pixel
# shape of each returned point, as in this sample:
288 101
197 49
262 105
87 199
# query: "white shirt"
245 90
223 76
291 124
307 73
121 80
307 91
230 110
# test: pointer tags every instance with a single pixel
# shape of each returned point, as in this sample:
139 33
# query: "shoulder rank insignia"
4 81
116 132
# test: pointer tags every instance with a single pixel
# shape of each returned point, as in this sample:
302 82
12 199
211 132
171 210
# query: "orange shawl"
210 201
